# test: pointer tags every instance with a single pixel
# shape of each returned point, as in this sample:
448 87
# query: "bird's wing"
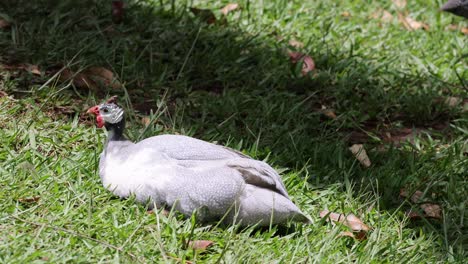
201 155
188 148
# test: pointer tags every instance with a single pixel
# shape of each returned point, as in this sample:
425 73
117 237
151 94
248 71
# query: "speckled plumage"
191 175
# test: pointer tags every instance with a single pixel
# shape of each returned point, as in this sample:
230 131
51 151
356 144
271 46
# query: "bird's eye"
105 110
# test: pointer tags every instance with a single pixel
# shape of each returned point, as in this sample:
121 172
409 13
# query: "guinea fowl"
457 7
191 175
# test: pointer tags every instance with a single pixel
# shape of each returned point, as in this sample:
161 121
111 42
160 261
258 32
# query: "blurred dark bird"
457 7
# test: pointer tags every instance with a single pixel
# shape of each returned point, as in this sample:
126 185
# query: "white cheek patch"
114 115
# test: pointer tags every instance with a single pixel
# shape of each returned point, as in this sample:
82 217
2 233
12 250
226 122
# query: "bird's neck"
115 131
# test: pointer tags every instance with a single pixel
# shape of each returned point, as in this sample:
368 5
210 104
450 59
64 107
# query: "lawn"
380 79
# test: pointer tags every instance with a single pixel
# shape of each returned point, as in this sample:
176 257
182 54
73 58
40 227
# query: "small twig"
77 235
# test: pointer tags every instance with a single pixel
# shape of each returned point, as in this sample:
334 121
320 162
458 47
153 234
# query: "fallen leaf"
452 27
402 135
308 63
411 24
328 112
3 94
205 15
296 44
399 3
346 14
464 30
452 101
349 220
357 235
34 69
432 210
229 8
200 244
117 11
382 15
80 80
103 76
4 24
361 155
146 121
33 199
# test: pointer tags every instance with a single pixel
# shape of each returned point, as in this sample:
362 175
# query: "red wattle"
100 121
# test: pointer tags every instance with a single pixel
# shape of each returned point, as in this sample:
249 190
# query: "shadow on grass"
232 85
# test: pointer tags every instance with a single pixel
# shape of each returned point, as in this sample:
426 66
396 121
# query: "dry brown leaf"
382 15
296 44
34 69
33 199
3 94
103 76
4 24
229 8
205 15
402 135
328 112
452 27
399 3
146 121
453 101
308 63
464 30
80 80
346 14
200 244
432 210
411 24
349 220
356 235
361 155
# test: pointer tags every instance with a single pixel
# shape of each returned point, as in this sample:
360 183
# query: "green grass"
234 84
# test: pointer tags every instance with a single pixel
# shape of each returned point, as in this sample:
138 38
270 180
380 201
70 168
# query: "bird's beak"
93 110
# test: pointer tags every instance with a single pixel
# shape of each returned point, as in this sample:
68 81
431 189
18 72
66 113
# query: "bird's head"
107 113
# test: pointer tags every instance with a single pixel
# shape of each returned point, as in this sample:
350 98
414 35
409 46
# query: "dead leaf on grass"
399 3
402 135
200 244
346 14
308 63
361 155
33 199
356 235
349 220
229 8
32 68
411 24
430 210
206 15
146 121
296 44
80 80
464 30
382 15
328 112
103 76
